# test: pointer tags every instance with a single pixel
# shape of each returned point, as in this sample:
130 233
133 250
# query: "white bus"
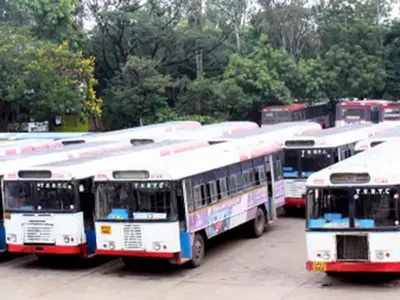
381 137
168 208
49 207
353 214
25 154
309 153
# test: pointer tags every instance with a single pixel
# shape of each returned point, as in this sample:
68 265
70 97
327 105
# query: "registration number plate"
319 266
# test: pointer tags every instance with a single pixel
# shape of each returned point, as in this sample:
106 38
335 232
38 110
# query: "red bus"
319 112
366 111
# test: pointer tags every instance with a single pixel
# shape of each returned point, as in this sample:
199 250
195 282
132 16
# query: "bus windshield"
353 114
273 117
40 196
360 208
391 114
301 163
136 201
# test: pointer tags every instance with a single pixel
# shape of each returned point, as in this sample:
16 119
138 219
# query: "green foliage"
45 79
137 94
176 59
264 77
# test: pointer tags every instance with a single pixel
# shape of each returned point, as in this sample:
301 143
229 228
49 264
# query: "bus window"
212 188
204 195
291 168
197 197
375 115
189 195
277 167
222 187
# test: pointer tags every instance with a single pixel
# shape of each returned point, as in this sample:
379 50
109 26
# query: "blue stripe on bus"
2 238
91 240
186 244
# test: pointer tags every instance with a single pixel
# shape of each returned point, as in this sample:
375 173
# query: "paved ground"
271 267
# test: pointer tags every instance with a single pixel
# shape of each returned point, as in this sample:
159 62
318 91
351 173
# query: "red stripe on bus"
136 253
359 267
42 249
295 202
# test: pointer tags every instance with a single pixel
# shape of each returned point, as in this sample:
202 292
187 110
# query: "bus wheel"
198 250
257 225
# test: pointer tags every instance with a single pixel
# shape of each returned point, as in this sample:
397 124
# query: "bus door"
86 199
269 178
375 114
278 182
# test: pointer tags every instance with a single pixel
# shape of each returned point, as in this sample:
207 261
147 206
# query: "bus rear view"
353 215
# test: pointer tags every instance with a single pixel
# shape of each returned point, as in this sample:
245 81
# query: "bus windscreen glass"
40 196
301 163
139 201
352 208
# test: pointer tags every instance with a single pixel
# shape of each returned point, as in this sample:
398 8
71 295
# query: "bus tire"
198 250
257 225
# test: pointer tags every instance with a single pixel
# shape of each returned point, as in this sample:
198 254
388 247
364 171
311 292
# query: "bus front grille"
39 233
133 236
352 247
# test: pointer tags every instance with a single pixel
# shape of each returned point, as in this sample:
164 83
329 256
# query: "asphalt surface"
236 267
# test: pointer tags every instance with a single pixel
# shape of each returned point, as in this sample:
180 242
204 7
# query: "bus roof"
275 132
376 167
380 137
40 135
84 167
336 136
154 131
28 146
191 163
93 150
288 107
213 131
367 102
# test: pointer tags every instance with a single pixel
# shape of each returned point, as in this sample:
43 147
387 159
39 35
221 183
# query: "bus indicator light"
106 229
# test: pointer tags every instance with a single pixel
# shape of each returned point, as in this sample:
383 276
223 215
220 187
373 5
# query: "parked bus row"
85 202
345 112
163 191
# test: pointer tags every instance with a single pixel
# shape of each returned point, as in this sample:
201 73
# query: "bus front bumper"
46 249
145 254
354 267
295 202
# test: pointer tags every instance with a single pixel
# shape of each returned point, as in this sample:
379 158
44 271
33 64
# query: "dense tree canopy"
141 61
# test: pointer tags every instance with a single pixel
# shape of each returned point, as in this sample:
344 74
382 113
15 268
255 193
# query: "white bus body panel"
379 242
45 229
279 193
131 236
295 188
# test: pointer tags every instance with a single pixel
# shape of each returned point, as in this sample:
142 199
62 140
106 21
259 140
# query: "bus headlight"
68 239
382 254
111 245
12 238
324 254
157 246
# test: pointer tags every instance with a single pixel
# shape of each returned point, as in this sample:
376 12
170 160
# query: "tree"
44 79
137 94
289 24
232 16
48 19
264 77
392 61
